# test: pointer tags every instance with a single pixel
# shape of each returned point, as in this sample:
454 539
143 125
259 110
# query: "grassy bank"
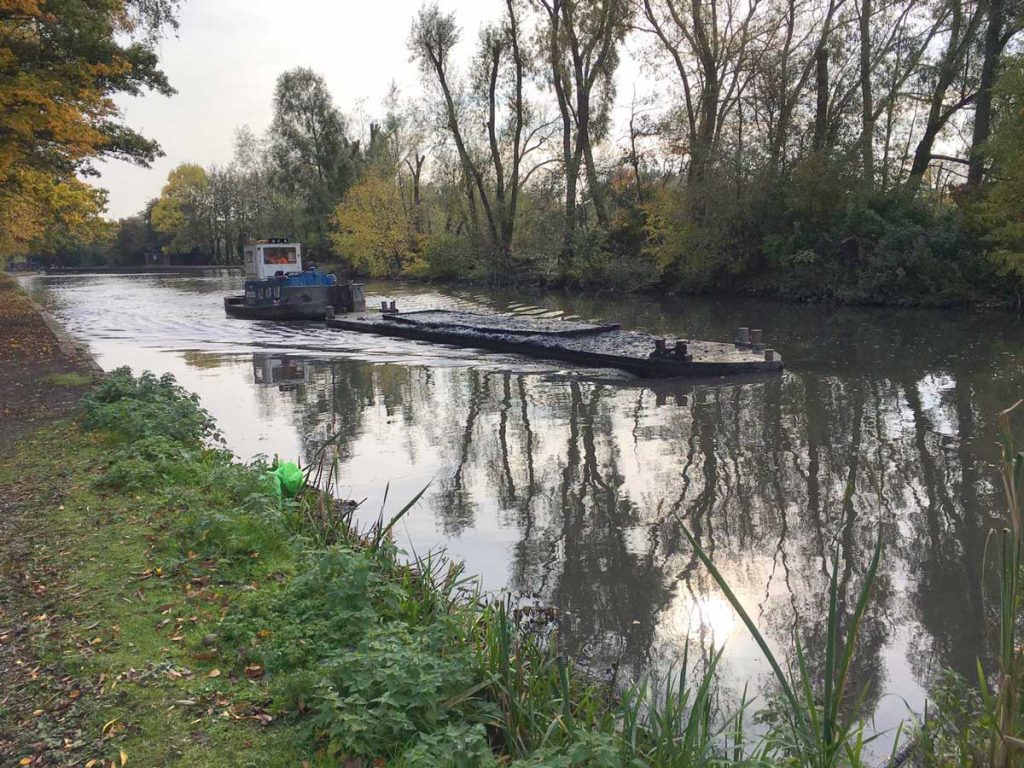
172 609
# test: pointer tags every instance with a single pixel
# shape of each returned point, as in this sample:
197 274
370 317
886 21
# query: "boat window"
279 256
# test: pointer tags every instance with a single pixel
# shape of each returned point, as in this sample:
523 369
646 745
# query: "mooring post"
756 336
383 306
659 347
392 306
742 335
769 355
681 350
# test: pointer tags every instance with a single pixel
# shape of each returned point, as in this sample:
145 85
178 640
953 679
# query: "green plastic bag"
287 479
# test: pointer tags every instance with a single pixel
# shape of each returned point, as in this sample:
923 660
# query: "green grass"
105 598
67 380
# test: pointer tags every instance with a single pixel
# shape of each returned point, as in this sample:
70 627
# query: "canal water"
568 484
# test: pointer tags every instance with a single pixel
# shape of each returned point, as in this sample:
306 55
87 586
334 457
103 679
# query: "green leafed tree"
314 161
1002 208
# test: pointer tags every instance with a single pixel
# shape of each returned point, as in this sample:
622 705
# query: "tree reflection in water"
591 478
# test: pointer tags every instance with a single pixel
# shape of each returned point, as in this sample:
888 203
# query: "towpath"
43 376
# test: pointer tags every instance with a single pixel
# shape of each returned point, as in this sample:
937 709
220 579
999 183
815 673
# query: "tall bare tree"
494 163
582 42
711 44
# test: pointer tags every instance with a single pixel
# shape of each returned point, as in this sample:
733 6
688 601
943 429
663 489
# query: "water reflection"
281 371
571 487
592 479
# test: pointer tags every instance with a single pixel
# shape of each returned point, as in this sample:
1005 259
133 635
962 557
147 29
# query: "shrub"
131 408
446 256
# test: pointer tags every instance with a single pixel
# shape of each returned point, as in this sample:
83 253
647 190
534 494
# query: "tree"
45 214
1002 24
313 158
431 40
493 161
710 45
183 211
397 149
582 51
1002 208
795 48
963 19
374 229
62 62
136 237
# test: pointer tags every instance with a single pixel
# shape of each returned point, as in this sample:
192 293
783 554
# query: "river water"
568 484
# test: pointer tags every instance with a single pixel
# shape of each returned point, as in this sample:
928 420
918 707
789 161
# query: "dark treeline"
857 150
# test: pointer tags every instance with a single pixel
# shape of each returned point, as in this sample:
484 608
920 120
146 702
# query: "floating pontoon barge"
603 346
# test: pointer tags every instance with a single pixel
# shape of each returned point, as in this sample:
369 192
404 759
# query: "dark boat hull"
235 306
274 300
590 345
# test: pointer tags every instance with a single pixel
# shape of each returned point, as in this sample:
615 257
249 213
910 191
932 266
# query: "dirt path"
43 376
42 372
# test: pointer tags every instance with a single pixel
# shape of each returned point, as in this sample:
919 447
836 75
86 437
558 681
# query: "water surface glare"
567 483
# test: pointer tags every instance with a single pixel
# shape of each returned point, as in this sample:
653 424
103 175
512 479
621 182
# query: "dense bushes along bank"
205 620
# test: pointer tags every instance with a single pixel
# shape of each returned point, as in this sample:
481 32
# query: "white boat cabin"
267 258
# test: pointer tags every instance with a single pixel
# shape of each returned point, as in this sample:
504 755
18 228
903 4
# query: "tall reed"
1007 741
819 734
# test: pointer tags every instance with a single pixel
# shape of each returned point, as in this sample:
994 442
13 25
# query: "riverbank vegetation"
857 151
177 609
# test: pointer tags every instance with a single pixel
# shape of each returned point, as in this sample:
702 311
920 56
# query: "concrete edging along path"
37 356
69 345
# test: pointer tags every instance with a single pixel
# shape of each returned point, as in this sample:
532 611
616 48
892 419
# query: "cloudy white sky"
228 53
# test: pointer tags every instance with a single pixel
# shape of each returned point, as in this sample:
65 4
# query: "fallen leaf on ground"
254 671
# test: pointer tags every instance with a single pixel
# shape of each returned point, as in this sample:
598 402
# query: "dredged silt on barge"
588 344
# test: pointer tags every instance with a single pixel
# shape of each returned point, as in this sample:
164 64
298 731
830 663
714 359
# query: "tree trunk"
571 167
707 127
596 191
983 103
960 37
821 89
473 176
867 138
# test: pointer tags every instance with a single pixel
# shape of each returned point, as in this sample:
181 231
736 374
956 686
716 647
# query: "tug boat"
278 288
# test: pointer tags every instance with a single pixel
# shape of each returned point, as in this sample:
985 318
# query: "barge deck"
597 345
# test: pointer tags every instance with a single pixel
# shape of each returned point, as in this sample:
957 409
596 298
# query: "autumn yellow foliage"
39 210
62 62
373 228
181 211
